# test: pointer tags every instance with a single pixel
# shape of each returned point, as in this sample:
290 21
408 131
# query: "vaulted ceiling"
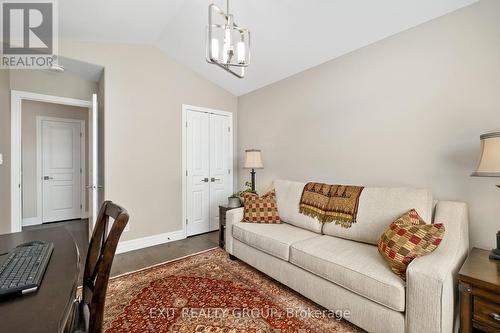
288 36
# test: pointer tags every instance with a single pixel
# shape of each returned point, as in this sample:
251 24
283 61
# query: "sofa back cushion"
288 195
378 208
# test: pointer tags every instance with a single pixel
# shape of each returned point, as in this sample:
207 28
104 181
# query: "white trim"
16 97
29 221
185 108
140 243
83 162
206 110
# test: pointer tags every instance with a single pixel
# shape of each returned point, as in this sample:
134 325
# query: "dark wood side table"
479 286
222 223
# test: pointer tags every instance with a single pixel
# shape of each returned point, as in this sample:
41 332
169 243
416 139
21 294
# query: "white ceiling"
288 36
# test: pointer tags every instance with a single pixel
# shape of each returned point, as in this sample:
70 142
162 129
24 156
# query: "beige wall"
52 83
405 111
5 150
30 111
145 91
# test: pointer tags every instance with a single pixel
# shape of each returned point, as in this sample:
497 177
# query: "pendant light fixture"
227 45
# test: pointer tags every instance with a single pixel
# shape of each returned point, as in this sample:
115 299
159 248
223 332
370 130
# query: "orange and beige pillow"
261 209
407 238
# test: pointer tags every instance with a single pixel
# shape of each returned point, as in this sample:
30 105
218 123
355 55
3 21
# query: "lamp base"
253 179
495 253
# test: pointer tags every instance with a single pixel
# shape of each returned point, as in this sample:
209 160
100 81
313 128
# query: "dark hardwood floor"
134 260
138 259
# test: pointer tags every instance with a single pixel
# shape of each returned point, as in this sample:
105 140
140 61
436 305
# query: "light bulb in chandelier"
241 52
214 48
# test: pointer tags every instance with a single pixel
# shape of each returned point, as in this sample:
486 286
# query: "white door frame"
185 108
16 98
83 163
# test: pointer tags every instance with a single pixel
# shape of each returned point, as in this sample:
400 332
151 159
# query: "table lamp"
253 160
489 166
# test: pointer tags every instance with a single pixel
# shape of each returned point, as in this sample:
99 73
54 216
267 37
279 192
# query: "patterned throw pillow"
407 238
261 210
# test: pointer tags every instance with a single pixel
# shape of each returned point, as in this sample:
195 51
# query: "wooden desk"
479 285
47 309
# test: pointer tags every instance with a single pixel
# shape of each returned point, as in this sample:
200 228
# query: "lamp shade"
489 162
253 159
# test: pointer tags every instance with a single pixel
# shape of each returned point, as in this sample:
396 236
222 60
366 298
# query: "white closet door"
219 166
198 184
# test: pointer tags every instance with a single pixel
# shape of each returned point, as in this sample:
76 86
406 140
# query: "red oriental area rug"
209 293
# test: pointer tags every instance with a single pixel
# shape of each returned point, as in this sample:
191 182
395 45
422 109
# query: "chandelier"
227 45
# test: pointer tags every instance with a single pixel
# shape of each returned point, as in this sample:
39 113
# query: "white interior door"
219 166
92 187
198 173
61 170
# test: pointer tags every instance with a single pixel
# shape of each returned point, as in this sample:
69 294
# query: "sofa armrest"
232 216
431 287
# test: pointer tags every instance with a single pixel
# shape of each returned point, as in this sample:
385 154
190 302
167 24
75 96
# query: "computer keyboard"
23 268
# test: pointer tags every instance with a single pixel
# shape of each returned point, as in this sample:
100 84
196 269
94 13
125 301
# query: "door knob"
91 186
205 180
215 179
47 178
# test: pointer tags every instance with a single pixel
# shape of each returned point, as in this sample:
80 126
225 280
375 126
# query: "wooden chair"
89 311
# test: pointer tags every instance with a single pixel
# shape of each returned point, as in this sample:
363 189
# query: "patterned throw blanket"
331 203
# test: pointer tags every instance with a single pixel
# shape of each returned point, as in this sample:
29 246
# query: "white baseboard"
140 243
29 221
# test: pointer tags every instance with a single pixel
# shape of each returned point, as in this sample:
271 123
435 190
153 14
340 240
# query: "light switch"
1 159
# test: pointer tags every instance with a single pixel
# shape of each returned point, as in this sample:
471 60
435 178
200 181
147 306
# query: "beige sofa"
341 269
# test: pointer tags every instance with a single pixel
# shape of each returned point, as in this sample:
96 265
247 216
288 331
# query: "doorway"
61 149
207 167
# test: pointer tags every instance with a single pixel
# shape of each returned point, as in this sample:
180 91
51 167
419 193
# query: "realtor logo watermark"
29 34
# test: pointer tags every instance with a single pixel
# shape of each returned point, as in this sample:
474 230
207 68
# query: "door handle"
90 186
205 180
47 178
215 179
495 316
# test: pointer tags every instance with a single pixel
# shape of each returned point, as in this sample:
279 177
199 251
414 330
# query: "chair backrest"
100 256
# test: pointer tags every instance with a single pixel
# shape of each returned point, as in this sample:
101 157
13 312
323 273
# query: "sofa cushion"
274 239
378 207
288 195
355 266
